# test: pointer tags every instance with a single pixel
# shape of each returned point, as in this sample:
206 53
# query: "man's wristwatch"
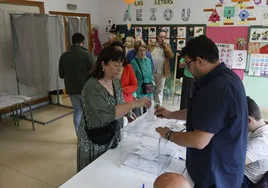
168 134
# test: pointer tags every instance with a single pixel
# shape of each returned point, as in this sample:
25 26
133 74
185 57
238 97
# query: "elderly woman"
142 66
103 108
143 69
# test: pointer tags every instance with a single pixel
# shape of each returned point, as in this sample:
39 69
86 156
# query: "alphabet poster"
239 59
226 53
258 65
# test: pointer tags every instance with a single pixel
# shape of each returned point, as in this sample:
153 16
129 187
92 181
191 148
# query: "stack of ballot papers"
150 155
144 150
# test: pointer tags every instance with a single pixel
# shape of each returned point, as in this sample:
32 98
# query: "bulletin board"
177 35
258 51
232 36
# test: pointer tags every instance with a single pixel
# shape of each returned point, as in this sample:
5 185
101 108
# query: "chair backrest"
263 183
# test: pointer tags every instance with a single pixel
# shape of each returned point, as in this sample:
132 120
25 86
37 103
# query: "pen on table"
182 159
143 185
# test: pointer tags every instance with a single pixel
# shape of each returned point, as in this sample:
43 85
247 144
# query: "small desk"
15 102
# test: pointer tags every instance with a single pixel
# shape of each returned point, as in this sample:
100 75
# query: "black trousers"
187 91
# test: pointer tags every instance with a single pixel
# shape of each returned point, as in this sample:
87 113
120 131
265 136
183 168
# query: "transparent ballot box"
143 150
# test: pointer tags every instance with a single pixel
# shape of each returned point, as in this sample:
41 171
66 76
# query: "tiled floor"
44 158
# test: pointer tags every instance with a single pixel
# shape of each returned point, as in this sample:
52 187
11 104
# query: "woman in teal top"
142 67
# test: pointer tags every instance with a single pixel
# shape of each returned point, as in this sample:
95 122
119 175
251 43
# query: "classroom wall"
256 87
115 10
83 6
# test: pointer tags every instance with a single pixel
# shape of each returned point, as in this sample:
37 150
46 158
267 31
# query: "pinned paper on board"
181 43
264 35
226 53
255 35
239 59
254 48
258 65
167 29
198 31
241 42
138 31
264 48
181 32
152 31
265 18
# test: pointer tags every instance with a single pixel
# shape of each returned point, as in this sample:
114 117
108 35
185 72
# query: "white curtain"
38 43
77 25
55 34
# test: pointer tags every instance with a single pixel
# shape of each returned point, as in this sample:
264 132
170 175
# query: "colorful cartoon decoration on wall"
220 3
243 15
229 13
241 3
168 14
241 43
186 17
257 2
214 18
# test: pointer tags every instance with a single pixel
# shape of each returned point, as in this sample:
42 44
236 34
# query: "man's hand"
165 44
162 131
161 112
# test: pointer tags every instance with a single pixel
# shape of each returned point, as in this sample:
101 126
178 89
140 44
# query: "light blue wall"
257 89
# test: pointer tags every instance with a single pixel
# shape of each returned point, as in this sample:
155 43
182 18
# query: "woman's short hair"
107 54
139 44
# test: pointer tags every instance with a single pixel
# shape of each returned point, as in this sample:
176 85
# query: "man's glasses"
188 63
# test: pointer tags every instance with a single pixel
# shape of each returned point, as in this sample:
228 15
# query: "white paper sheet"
226 53
239 59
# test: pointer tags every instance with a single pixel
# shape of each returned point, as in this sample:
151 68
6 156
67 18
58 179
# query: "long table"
106 172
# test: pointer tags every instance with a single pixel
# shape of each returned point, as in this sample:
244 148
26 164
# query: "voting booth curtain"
77 25
38 43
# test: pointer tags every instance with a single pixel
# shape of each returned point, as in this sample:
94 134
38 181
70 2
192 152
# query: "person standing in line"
187 85
74 67
161 53
133 53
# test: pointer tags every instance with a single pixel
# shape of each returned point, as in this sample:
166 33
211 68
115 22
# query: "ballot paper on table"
177 163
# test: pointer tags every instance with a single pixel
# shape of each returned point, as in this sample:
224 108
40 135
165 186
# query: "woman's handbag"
149 87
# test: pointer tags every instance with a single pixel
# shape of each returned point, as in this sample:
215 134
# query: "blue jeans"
77 105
